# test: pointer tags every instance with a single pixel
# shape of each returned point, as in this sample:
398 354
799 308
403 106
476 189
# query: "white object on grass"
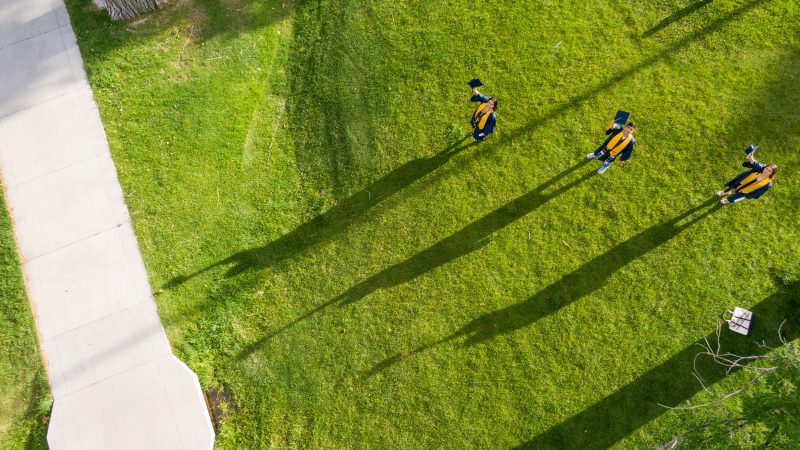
741 320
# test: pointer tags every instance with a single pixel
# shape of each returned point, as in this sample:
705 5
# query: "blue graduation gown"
481 134
754 167
626 153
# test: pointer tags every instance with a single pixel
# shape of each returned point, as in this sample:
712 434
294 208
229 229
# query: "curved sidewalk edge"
115 382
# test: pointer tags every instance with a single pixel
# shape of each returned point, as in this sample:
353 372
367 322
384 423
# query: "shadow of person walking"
324 226
462 242
676 16
588 278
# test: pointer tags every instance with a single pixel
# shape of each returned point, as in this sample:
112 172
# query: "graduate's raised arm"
612 127
478 97
753 163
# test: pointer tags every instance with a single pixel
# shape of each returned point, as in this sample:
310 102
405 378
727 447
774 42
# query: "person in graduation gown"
484 118
750 184
619 144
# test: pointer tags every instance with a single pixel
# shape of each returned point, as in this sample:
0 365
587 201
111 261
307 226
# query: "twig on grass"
732 361
677 439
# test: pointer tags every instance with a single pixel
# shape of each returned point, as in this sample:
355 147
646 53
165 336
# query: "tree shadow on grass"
206 18
99 36
326 225
676 16
671 382
588 278
221 18
462 242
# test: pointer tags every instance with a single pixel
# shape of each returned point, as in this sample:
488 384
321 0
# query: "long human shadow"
462 242
676 16
616 78
313 232
583 281
334 220
671 383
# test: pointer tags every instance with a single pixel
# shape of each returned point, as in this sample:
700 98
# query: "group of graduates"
750 184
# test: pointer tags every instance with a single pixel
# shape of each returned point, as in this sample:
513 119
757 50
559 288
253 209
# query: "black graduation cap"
475 82
750 150
622 117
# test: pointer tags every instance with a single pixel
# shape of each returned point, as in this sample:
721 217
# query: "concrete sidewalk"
115 382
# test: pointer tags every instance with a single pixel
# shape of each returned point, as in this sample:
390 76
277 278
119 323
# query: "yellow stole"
752 186
484 118
617 144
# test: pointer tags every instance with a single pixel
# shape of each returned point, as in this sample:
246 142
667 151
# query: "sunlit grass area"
324 245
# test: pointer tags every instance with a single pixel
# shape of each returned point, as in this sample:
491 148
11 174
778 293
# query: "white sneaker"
590 156
603 168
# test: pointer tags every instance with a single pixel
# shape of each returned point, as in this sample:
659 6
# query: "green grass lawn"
322 245
25 399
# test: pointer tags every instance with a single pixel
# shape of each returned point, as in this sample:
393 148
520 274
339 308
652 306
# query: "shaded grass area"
323 245
25 401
